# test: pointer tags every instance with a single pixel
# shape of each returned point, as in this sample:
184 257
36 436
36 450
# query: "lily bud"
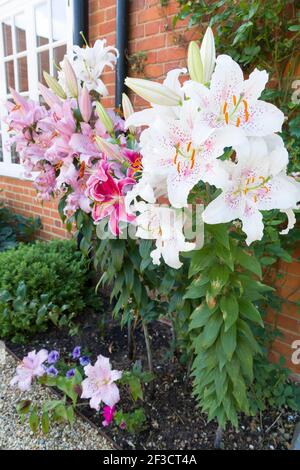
110 150
195 65
85 104
54 85
104 118
127 110
208 55
71 79
50 98
153 92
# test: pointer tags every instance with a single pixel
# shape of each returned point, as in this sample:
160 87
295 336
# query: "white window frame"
10 8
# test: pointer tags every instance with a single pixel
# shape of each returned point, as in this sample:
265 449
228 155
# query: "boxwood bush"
55 271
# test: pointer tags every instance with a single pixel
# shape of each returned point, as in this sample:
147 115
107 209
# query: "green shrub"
21 316
55 269
15 228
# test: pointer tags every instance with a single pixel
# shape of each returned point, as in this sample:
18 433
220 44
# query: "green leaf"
200 316
249 311
34 420
230 309
218 275
71 415
211 330
45 422
228 340
294 27
220 233
200 260
249 262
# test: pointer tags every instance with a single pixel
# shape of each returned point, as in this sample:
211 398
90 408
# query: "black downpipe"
80 21
80 24
122 42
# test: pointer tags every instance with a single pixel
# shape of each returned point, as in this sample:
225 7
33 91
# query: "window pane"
23 74
1 149
42 24
59 20
58 56
10 75
43 65
7 37
15 158
20 32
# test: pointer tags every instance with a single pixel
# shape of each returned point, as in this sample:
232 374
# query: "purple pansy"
52 371
84 361
70 373
53 357
76 352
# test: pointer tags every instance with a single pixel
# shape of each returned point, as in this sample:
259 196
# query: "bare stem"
148 346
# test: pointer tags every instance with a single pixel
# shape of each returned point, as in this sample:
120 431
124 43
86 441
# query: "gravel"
17 436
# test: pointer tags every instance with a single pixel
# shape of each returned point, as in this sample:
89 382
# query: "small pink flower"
108 415
100 385
30 367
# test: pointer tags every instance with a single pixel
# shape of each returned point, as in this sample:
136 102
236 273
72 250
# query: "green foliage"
53 268
222 324
135 380
53 411
272 388
22 316
40 284
15 228
133 422
263 34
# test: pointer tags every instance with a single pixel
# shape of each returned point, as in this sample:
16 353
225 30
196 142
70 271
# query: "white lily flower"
165 226
171 156
89 63
195 65
127 110
208 55
291 221
147 116
232 103
153 92
257 182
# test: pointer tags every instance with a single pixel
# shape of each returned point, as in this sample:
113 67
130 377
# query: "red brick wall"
150 31
20 196
287 321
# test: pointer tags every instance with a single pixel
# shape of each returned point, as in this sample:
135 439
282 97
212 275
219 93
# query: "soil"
174 421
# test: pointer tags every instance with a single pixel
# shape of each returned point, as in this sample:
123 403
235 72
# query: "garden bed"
173 419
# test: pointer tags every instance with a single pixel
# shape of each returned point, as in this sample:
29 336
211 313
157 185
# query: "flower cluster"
189 126
72 146
99 385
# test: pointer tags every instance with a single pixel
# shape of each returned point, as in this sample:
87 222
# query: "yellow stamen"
234 100
246 110
189 146
225 108
178 167
227 118
238 122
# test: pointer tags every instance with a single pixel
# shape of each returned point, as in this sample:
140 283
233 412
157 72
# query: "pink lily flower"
100 383
109 196
30 367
